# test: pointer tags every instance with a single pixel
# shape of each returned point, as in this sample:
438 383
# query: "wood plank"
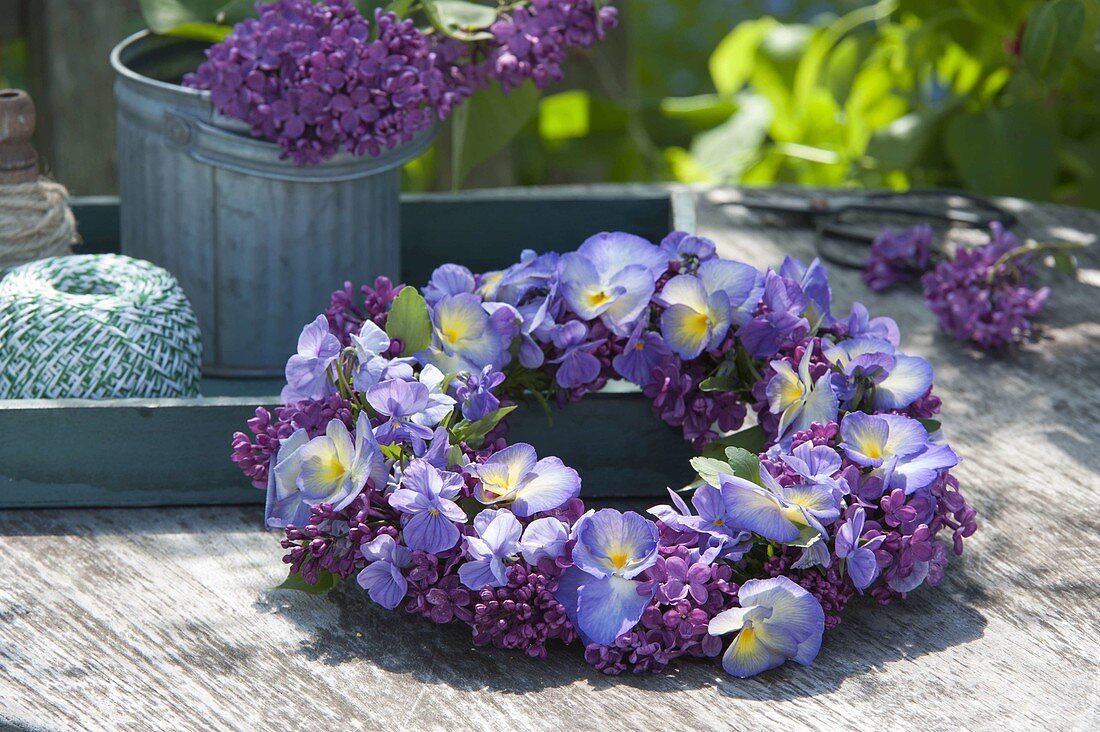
162 619
71 80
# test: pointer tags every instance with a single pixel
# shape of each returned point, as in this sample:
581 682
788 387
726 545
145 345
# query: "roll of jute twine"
35 221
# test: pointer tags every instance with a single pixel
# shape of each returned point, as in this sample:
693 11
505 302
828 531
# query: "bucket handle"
211 145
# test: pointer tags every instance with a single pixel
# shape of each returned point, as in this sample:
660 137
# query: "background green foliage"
997 96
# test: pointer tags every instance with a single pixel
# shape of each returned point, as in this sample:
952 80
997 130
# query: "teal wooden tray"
161 452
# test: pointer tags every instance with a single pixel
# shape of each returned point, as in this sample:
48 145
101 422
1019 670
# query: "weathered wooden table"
162 618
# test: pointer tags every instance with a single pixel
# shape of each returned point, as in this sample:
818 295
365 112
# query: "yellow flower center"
598 298
333 469
450 335
618 559
639 346
697 324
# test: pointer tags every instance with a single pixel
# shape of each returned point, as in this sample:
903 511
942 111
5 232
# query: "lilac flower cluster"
984 294
980 294
318 78
389 461
533 41
898 256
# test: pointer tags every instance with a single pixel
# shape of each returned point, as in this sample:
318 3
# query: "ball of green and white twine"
96 327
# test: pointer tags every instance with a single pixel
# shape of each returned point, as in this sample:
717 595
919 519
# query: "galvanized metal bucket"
257 243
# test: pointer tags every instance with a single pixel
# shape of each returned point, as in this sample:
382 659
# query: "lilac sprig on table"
843 487
319 77
983 295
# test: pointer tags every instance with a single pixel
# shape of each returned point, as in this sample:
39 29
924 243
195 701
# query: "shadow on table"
872 637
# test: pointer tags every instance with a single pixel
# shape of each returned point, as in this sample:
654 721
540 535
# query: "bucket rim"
125 71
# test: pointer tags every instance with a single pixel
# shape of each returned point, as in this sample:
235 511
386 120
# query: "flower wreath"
389 460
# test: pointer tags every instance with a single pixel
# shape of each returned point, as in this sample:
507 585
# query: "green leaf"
487 122
198 19
1064 262
931 425
325 582
565 116
1053 32
709 469
400 8
410 321
718 383
473 432
733 60
459 19
751 439
391 452
1008 151
745 464
210 32
1003 15
732 147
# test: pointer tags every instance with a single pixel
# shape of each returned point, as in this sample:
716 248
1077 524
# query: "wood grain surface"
141 619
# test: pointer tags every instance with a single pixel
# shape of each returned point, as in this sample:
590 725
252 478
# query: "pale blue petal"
686 331
794 609
862 567
907 435
751 508
737 279
607 608
503 533
478 573
384 584
544 538
684 290
579 282
613 251
428 533
808 649
551 484
625 310
909 380
864 438
914 472
912 581
747 656
729 621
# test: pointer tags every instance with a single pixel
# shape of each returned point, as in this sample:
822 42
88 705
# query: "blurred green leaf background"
995 96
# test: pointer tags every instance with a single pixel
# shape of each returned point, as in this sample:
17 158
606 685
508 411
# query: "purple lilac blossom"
318 78
531 42
978 298
898 256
